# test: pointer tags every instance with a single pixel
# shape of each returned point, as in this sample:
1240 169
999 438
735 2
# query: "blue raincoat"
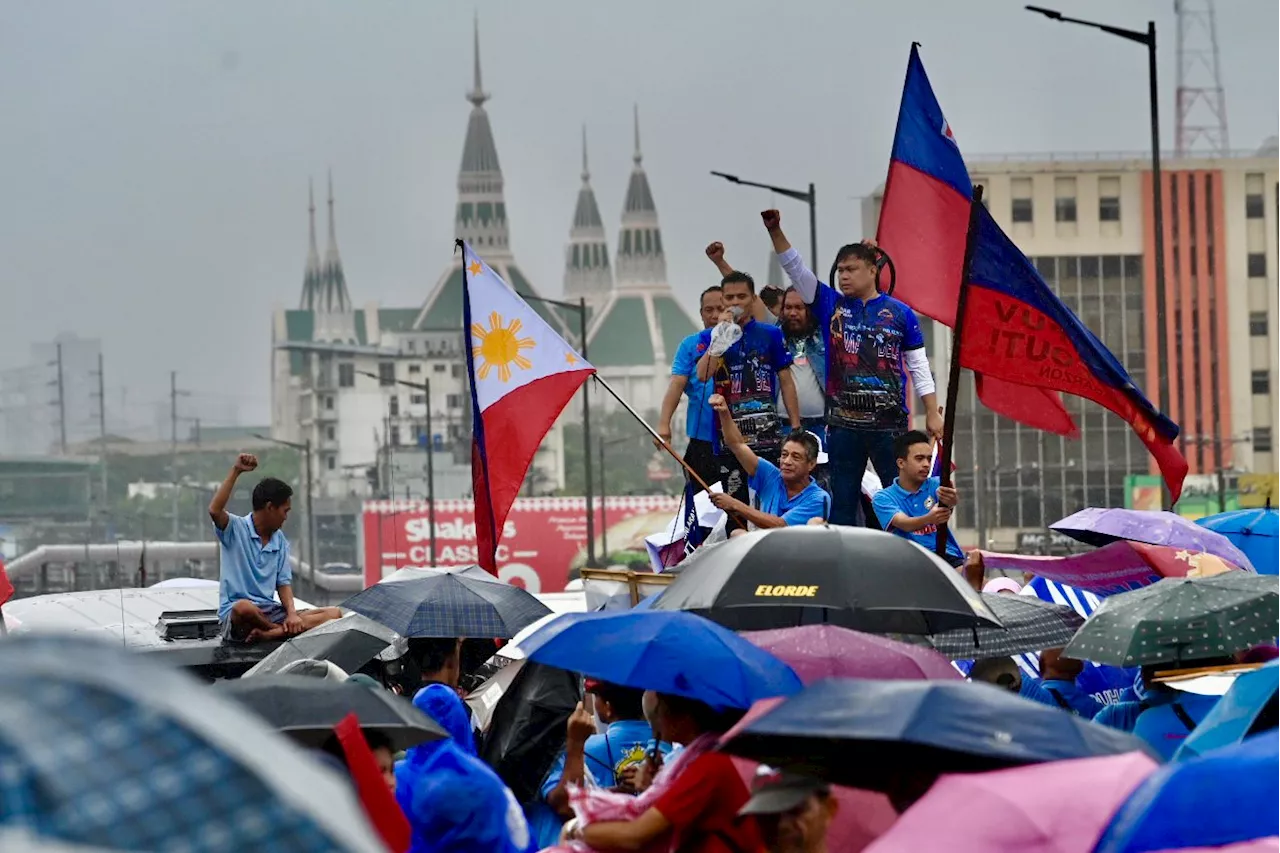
454 802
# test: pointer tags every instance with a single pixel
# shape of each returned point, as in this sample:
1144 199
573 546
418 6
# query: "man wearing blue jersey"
873 342
914 504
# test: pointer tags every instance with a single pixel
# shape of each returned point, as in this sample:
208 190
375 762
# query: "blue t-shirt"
1073 698
748 381
866 376
248 569
625 744
699 419
771 496
893 499
1161 726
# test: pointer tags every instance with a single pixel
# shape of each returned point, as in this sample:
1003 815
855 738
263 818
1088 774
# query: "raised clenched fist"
715 251
772 219
246 462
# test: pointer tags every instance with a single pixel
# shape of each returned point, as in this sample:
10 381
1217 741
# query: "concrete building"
1086 222
354 381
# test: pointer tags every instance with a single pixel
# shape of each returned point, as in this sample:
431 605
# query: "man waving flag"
1022 343
522 374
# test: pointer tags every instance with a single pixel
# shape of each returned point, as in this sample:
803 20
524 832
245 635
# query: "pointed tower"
635 335
311 276
334 316
480 218
586 258
640 258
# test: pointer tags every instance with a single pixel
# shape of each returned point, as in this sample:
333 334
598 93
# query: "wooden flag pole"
953 375
657 438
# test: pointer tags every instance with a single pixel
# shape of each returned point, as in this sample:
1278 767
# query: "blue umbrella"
1239 713
100 746
1226 796
667 651
860 732
1253 531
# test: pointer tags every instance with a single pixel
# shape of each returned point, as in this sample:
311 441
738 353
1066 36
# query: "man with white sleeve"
873 342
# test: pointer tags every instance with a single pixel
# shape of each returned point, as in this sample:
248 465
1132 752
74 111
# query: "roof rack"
188 625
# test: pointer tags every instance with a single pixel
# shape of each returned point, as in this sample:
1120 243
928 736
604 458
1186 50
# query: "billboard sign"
543 538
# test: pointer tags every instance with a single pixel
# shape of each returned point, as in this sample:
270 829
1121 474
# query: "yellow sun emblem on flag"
500 347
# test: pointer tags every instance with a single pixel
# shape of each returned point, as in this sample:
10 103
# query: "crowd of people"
790 394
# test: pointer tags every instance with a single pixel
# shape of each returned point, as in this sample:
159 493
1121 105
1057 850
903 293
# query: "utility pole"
174 393
61 403
102 440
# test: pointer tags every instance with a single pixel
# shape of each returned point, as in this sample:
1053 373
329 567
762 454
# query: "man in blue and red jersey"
873 342
749 365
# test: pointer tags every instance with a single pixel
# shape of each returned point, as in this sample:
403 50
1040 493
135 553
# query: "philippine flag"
522 375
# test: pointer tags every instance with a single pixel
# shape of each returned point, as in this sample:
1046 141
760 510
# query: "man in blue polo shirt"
253 563
700 422
914 504
786 494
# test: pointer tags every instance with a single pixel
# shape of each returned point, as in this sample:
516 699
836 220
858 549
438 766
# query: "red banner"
542 539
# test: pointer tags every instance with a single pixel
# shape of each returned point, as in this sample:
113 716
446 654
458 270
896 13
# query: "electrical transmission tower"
1201 108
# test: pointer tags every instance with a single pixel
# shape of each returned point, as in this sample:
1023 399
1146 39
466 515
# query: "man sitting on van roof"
253 563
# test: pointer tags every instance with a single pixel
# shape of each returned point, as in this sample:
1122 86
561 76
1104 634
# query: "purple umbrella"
816 652
1102 526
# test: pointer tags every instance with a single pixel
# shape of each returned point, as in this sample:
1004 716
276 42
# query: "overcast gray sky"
155 155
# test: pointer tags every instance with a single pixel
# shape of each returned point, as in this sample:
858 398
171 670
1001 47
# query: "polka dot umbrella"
1178 620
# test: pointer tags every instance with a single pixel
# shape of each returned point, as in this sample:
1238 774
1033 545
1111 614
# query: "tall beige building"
1086 221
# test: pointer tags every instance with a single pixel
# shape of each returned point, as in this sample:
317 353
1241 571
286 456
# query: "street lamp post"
305 448
430 469
604 520
1148 39
581 307
810 198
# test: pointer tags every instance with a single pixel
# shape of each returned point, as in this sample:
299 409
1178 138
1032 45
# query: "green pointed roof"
444 313
621 336
673 323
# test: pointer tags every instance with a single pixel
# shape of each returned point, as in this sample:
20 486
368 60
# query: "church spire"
477 96
586 260
637 157
312 273
640 257
334 298
481 217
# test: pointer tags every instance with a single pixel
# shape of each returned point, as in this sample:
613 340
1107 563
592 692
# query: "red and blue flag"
1022 343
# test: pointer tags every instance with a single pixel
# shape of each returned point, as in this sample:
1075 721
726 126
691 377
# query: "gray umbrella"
1181 619
349 643
1030 625
307 709
105 747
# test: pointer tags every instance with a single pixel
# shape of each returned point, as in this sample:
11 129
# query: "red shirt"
702 806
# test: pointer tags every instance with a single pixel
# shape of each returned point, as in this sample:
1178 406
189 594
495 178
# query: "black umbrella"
307 709
1030 625
1181 619
349 643
853 577
527 730
449 605
860 733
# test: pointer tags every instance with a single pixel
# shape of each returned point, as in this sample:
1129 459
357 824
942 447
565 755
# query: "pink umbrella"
1058 807
816 652
862 815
